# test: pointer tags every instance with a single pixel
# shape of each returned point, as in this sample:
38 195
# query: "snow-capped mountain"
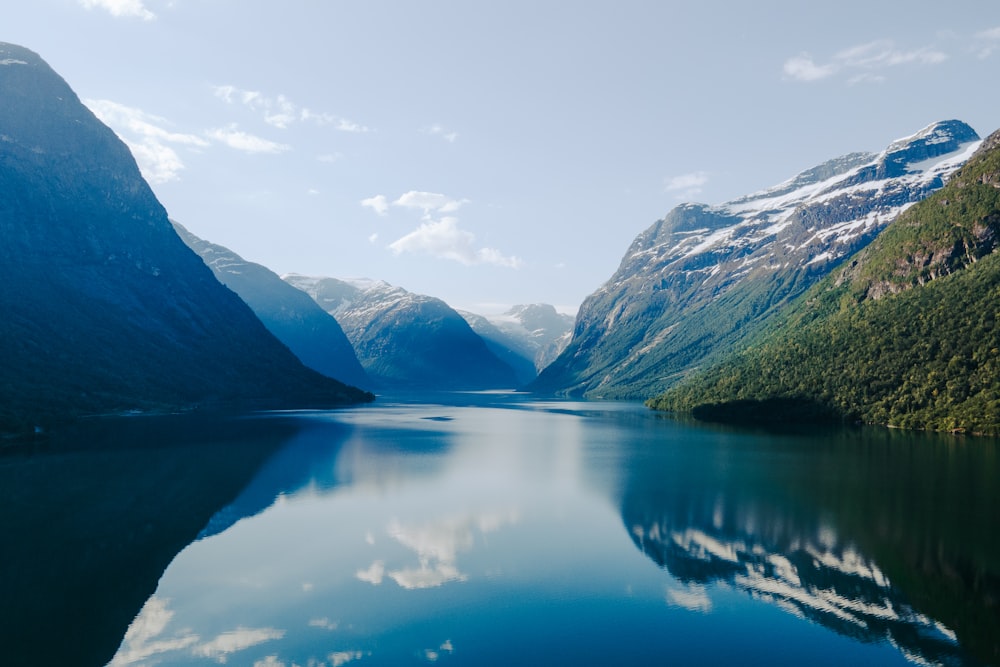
312 334
832 585
528 337
697 281
407 340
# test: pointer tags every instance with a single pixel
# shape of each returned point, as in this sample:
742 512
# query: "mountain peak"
934 141
697 280
941 132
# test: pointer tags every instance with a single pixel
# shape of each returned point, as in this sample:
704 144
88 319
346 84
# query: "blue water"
498 530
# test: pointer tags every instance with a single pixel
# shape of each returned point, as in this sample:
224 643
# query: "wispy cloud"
339 658
324 623
803 68
429 202
986 42
374 574
860 63
444 239
121 8
148 637
378 203
147 136
439 234
279 111
235 641
883 53
237 139
688 185
440 131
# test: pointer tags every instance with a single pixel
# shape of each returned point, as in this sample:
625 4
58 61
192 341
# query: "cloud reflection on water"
144 638
437 545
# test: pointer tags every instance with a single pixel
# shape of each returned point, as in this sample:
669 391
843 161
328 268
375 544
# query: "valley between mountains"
864 289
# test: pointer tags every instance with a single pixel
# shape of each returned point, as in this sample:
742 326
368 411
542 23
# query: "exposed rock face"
104 306
405 340
698 281
290 314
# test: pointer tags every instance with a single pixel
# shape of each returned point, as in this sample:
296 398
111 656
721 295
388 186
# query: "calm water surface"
493 529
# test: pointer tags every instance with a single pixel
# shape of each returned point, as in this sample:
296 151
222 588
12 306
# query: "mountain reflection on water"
874 534
92 517
498 530
475 534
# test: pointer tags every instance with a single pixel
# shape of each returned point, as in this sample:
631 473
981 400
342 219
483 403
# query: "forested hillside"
905 334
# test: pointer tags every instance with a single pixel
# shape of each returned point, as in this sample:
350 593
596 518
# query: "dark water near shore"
491 529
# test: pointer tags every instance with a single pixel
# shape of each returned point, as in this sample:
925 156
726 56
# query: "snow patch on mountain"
858 194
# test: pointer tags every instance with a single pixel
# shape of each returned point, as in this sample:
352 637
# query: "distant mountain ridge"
405 340
105 308
904 334
700 280
311 333
527 336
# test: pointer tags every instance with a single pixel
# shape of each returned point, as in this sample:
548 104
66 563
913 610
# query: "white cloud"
144 639
323 623
427 576
373 238
803 68
121 8
429 202
986 42
236 640
883 53
248 143
686 186
860 61
374 574
378 203
440 131
443 239
437 545
269 661
340 658
279 111
147 138
695 179
432 654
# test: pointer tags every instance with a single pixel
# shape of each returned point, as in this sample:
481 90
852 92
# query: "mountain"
704 278
904 334
91 521
311 333
405 340
527 337
105 308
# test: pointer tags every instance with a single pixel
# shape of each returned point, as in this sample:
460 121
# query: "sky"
497 153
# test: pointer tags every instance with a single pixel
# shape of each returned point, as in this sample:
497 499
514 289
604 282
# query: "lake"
497 529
